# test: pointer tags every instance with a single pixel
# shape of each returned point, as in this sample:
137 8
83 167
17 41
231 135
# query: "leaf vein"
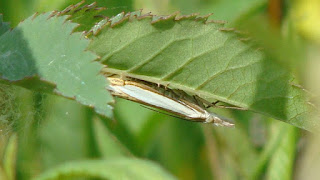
191 59
155 54
225 70
106 57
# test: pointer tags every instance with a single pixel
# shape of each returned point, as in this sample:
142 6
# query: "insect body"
180 104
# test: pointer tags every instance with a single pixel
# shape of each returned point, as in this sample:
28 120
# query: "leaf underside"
200 57
189 53
43 53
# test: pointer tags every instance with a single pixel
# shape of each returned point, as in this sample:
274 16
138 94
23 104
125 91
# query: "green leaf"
10 156
120 168
43 53
115 7
86 16
108 145
64 134
276 134
203 58
15 11
282 161
3 25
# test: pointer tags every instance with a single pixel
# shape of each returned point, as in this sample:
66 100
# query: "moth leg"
230 107
214 104
166 86
207 104
200 101
179 93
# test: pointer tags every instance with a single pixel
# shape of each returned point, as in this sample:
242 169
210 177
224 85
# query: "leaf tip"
190 16
118 19
33 16
146 15
72 7
204 18
157 19
95 30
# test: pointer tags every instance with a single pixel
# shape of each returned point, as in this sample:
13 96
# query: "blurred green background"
52 130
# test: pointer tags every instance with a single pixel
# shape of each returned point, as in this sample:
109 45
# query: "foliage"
57 60
59 113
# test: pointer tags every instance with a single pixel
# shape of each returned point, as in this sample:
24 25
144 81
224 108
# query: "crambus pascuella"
180 104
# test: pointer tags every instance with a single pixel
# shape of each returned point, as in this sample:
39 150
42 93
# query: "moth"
176 102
